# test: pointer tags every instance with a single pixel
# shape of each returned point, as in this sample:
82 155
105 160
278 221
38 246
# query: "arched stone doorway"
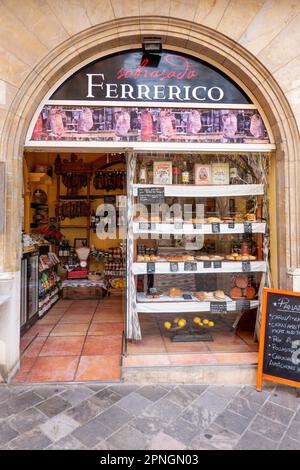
110 37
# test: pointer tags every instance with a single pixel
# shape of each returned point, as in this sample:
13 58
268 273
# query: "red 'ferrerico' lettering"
181 69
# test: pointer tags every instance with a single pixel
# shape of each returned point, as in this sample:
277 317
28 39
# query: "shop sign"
2 196
167 77
279 346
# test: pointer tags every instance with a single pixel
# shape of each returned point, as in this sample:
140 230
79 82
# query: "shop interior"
197 269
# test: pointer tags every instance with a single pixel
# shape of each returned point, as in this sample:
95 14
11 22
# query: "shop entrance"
73 270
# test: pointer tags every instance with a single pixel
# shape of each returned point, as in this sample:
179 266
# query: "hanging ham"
257 127
85 122
166 125
229 125
56 122
194 122
122 123
146 126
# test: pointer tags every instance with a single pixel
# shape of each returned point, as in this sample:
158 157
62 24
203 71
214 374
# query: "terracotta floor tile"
103 329
49 320
38 330
71 318
35 347
237 358
146 360
24 342
247 336
102 345
69 329
55 312
186 347
25 366
107 318
229 347
192 359
80 311
149 344
62 346
53 369
63 303
104 368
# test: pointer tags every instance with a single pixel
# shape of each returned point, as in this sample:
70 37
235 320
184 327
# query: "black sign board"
154 195
190 266
231 225
242 304
279 347
173 267
215 227
218 307
206 264
150 268
246 266
217 264
132 76
247 227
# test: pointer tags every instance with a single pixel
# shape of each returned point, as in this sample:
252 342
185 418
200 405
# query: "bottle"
185 175
176 174
143 174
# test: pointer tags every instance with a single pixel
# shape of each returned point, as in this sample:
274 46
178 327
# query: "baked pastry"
199 296
250 217
140 258
153 293
245 258
213 220
230 257
252 258
187 258
147 258
175 292
203 258
217 257
241 281
250 293
219 294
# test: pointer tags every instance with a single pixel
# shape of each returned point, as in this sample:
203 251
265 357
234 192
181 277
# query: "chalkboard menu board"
279 348
153 195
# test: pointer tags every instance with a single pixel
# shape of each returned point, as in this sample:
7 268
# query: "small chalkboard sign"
217 264
190 266
174 266
231 225
206 264
242 304
147 226
153 195
177 225
150 267
247 227
279 346
218 307
246 266
215 227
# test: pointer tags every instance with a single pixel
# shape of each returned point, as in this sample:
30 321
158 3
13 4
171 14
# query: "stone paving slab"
135 416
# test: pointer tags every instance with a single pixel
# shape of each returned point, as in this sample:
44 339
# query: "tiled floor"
75 341
157 348
148 417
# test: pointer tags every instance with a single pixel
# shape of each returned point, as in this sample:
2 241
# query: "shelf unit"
165 304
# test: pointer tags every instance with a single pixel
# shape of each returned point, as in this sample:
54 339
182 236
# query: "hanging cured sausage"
122 123
56 121
194 122
166 124
257 127
147 125
85 122
229 125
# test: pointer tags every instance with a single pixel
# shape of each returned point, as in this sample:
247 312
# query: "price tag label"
206 264
198 225
150 268
187 296
217 264
190 266
218 307
215 227
247 227
178 225
242 304
144 226
173 266
231 225
246 266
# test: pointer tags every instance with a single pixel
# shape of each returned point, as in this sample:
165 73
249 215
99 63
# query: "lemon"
206 321
211 323
167 325
197 320
181 323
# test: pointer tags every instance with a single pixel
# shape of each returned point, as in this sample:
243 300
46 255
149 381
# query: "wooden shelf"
41 178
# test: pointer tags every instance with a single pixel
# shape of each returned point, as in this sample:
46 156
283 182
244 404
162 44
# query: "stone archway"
182 35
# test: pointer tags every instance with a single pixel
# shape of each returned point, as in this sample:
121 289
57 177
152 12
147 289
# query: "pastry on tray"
250 293
236 293
175 292
140 258
216 258
153 293
219 295
214 220
241 281
250 218
188 258
203 258
154 258
204 296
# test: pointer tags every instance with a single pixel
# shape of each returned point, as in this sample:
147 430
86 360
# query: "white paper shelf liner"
169 305
206 191
188 229
227 267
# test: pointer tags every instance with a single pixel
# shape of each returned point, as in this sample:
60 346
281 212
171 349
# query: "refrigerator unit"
29 289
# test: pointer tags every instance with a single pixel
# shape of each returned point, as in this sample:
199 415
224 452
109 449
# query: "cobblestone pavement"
122 416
